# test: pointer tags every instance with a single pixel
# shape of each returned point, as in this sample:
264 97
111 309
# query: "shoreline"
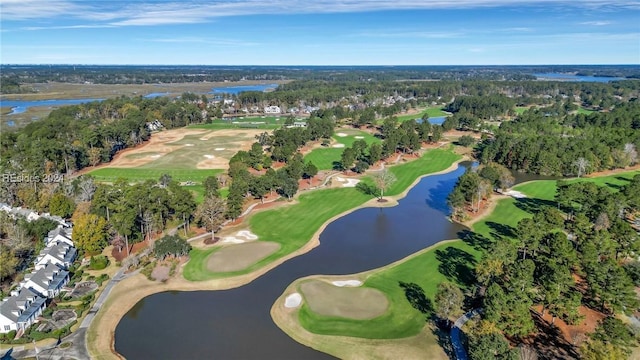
132 290
394 348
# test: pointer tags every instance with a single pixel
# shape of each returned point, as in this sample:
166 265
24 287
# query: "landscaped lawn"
424 269
324 158
293 226
432 161
109 174
401 319
521 109
256 122
432 112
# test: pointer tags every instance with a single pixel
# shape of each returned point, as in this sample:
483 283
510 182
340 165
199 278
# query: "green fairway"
324 158
241 122
141 174
432 161
401 319
198 192
430 267
432 112
582 110
290 226
293 226
521 109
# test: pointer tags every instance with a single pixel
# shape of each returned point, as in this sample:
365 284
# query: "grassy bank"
432 112
293 226
452 261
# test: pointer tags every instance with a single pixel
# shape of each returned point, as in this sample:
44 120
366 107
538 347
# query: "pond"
219 324
20 106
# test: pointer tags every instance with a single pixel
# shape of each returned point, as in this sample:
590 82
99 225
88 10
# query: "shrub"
98 262
466 140
11 335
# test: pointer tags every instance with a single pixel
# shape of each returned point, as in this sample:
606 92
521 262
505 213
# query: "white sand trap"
338 145
341 134
209 156
515 194
347 182
231 240
359 137
247 234
188 144
204 138
155 156
342 283
293 301
218 149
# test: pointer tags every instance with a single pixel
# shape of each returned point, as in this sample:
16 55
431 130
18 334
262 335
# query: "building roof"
48 277
21 307
60 250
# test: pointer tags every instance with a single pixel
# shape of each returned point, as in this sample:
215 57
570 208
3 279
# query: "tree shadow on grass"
477 241
457 265
416 297
336 165
500 231
532 205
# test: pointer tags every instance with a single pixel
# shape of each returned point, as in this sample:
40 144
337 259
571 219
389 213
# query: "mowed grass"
255 122
432 112
293 226
325 158
425 270
521 109
139 174
290 226
401 319
432 161
582 110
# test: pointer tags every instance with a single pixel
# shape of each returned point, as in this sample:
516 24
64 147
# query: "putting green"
347 302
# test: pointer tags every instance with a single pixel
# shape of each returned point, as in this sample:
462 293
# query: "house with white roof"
20 311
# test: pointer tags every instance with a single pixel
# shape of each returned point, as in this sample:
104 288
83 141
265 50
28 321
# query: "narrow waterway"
236 324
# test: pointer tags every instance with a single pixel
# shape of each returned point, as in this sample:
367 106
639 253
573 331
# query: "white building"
46 282
58 253
20 311
272 109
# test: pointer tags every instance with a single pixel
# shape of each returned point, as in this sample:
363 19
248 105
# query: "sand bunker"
218 149
515 194
348 302
231 240
209 156
248 235
338 145
188 145
342 283
341 134
293 301
347 182
155 156
241 256
359 137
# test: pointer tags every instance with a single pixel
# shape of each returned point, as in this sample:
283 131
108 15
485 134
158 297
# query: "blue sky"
320 32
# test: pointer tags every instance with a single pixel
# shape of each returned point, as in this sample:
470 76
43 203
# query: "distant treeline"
26 74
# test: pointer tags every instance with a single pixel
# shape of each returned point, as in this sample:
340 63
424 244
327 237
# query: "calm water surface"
235 90
221 324
20 106
579 78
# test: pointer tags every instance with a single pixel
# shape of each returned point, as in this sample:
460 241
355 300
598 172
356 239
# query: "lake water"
438 120
235 90
20 106
156 94
219 324
570 77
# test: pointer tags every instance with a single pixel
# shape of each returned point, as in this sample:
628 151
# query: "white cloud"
596 23
121 13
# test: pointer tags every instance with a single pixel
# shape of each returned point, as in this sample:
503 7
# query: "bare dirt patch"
160 273
348 302
240 256
83 289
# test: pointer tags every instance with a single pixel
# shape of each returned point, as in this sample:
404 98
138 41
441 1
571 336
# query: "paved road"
456 331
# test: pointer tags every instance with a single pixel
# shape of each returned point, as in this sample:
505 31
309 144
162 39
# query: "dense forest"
13 75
